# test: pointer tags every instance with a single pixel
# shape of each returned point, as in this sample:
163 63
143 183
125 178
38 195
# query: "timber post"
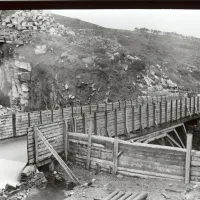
66 145
89 146
14 124
188 158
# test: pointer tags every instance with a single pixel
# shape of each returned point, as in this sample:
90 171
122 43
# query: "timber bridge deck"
115 137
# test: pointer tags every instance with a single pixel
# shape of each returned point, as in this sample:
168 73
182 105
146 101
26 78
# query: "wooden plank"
179 138
14 124
115 155
188 158
84 123
95 123
36 144
181 105
171 110
66 144
133 118
140 117
166 114
58 158
115 122
185 107
174 141
176 109
147 115
160 112
154 115
89 146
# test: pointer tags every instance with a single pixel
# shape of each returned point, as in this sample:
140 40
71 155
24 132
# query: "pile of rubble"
35 20
30 177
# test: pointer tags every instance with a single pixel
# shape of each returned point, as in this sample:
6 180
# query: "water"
53 191
50 193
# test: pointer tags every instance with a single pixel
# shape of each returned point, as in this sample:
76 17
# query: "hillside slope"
72 60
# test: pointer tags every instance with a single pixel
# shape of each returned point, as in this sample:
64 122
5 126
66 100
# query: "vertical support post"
112 106
90 108
97 109
89 146
131 103
185 107
81 109
194 105
126 132
14 124
95 123
115 155
176 109
106 107
72 110
161 111
190 105
171 110
62 112
106 123
188 158
84 123
141 119
119 104
181 105
198 104
133 118
52 115
154 114
147 115
40 117
65 133
166 111
29 119
115 116
36 144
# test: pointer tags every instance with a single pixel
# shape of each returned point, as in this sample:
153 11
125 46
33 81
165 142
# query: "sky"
185 22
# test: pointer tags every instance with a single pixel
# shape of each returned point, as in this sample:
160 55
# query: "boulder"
64 55
71 33
24 88
88 61
40 49
23 65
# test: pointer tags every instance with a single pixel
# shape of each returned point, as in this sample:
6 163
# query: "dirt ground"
105 183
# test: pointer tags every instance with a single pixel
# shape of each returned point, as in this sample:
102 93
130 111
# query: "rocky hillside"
54 60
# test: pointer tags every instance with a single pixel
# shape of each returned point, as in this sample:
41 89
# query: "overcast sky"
185 22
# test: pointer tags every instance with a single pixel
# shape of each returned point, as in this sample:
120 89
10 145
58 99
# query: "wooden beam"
89 146
179 138
115 121
174 141
66 145
58 158
36 144
188 158
133 118
170 142
156 137
115 155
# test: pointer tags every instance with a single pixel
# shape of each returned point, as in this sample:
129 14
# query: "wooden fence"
108 154
139 117
17 124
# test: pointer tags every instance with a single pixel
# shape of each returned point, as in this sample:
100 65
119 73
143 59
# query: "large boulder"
23 65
